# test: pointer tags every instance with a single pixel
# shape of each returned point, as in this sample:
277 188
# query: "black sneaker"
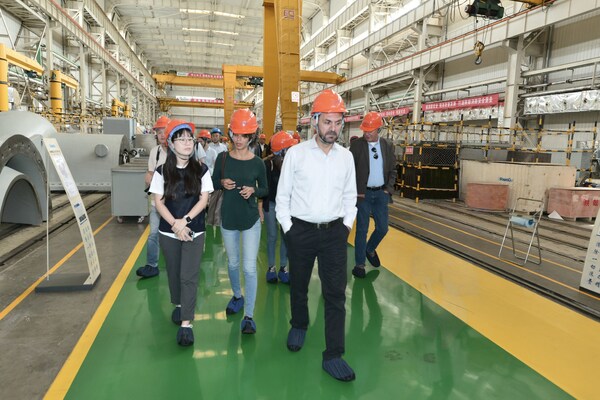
359 271
185 336
373 259
147 271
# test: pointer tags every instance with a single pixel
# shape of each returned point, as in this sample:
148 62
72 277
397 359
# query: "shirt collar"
315 145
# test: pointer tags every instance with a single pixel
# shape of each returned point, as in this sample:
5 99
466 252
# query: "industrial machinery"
24 198
491 9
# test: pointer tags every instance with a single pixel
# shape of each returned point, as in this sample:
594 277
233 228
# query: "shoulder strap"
158 153
223 164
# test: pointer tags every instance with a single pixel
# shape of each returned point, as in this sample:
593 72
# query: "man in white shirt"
316 200
211 155
158 156
216 141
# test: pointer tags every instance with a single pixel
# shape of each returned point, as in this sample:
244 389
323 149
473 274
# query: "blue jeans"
272 230
250 241
375 203
153 250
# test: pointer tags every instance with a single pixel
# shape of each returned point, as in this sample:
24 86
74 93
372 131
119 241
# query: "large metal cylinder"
23 182
90 159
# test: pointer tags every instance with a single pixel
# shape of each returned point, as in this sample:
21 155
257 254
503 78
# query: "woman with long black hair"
180 188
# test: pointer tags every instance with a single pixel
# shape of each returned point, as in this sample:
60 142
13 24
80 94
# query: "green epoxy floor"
400 344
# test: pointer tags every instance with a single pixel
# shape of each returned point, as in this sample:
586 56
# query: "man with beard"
315 206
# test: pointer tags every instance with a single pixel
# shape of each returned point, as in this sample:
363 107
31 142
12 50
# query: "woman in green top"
243 178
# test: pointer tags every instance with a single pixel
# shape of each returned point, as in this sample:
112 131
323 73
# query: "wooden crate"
575 202
524 179
487 196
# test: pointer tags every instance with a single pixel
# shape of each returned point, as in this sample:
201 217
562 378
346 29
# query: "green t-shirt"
238 213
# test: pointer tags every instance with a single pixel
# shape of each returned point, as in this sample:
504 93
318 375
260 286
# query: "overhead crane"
166 103
196 81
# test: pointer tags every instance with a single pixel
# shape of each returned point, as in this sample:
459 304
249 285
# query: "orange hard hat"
328 101
243 122
282 140
176 125
225 139
296 136
161 122
371 121
204 133
262 136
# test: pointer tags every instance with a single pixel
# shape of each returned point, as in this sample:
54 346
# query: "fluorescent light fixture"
195 29
227 33
205 42
208 12
208 30
191 11
224 14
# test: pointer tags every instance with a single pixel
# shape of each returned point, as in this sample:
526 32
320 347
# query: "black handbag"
213 214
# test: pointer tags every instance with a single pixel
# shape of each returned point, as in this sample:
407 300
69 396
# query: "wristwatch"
188 219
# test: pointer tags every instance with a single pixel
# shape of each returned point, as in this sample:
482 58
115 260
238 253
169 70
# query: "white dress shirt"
211 157
218 147
316 187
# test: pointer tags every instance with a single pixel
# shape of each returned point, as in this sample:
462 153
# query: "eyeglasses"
375 155
185 140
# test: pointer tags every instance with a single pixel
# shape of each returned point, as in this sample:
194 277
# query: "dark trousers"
375 203
183 264
328 246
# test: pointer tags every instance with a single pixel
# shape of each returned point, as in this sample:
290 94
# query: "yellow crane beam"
166 103
193 81
531 2
305 75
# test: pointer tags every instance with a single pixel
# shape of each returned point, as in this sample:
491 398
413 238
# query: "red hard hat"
371 121
243 122
262 136
328 101
282 140
161 122
204 133
296 136
176 125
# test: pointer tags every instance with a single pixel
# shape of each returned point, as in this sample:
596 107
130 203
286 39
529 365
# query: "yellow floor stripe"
56 266
558 343
65 377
